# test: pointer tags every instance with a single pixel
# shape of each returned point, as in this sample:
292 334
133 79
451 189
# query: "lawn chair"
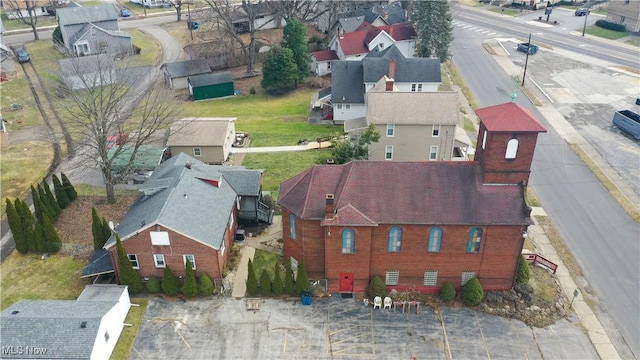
377 302
387 303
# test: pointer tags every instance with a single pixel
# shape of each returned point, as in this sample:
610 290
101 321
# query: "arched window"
484 139
292 226
475 235
435 239
395 239
512 149
348 241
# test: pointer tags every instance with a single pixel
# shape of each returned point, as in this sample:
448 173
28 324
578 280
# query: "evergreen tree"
524 271
128 275
169 283
17 229
41 242
472 292
153 285
96 229
252 282
106 231
432 21
37 204
190 287
51 199
265 283
61 196
289 287
51 237
28 220
205 285
47 207
278 287
302 280
293 38
279 71
68 188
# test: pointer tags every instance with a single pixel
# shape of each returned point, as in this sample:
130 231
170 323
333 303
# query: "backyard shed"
211 86
177 73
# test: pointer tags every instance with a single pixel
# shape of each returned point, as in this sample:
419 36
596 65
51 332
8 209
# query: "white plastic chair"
377 302
387 303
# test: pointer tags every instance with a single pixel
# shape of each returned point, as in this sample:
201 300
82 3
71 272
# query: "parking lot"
336 328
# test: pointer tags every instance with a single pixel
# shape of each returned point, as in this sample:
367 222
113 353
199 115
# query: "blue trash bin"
306 297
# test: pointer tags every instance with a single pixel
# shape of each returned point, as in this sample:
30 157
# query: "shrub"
288 278
376 288
472 292
190 287
205 285
72 194
137 50
278 287
169 283
524 272
265 283
447 292
302 280
252 282
57 35
252 91
128 276
605 24
153 285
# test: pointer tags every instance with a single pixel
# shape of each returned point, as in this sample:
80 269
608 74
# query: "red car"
119 139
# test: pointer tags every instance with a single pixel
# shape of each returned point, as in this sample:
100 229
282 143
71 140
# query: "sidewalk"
588 319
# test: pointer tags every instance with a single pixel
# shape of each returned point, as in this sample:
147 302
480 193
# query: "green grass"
128 335
604 33
264 260
28 277
16 24
281 166
149 48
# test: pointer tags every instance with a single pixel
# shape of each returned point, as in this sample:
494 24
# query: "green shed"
211 86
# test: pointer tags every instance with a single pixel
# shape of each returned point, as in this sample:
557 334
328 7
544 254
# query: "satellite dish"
111 226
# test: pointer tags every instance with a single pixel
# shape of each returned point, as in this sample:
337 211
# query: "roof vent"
83 325
14 312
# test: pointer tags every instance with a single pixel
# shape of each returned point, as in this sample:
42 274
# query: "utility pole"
584 27
189 19
526 59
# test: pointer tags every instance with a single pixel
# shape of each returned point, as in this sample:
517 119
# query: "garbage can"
306 297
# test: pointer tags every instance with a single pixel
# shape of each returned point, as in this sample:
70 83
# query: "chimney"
388 85
341 33
330 211
392 69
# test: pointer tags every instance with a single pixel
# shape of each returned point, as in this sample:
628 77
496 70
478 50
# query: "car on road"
581 12
125 12
118 140
22 54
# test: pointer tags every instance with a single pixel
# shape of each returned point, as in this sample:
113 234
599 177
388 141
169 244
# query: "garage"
211 86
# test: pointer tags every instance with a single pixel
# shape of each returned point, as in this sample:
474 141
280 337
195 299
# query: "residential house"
321 61
417 224
208 139
188 210
355 45
88 71
177 73
264 17
86 328
151 4
352 79
625 12
330 12
20 9
414 126
92 30
211 86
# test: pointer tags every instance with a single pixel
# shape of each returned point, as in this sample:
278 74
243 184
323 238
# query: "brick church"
417 224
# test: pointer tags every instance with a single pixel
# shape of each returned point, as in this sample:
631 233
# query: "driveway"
336 328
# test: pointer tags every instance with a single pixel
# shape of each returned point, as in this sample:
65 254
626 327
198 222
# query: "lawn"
264 260
149 48
604 33
26 276
128 335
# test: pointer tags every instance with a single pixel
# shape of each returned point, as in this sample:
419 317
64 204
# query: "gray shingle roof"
413 108
81 15
183 200
376 64
54 325
187 68
199 132
210 79
346 82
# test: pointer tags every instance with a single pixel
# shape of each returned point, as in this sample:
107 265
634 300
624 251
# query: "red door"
346 282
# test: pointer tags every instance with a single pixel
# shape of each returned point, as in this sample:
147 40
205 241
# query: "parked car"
22 54
581 12
118 140
125 12
526 47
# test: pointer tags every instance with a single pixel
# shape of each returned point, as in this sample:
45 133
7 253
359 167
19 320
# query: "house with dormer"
417 224
188 210
92 30
355 45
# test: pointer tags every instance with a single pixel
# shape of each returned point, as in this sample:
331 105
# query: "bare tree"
25 12
302 10
177 4
102 98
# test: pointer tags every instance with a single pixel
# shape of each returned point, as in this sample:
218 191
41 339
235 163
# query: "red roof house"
417 224
366 38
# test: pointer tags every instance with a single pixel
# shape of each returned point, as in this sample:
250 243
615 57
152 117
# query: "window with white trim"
339 106
294 265
466 276
392 277
133 259
329 65
231 221
159 260
416 87
430 278
347 106
433 153
435 131
191 258
484 139
388 152
196 151
391 130
512 149
223 247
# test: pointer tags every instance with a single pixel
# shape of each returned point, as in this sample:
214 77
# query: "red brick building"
417 224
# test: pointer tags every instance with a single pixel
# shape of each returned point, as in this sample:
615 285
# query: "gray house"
92 30
177 73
